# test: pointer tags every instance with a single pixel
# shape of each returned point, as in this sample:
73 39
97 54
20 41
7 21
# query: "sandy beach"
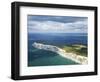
72 56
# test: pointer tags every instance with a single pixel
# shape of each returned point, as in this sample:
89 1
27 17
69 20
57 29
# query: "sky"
56 24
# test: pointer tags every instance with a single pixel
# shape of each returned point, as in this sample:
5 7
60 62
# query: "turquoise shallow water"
46 58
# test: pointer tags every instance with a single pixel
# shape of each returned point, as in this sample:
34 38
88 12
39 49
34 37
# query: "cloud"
63 19
57 27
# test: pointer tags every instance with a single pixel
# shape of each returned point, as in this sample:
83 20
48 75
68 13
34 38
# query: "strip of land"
64 52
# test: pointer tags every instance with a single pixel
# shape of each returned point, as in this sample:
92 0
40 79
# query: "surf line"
72 56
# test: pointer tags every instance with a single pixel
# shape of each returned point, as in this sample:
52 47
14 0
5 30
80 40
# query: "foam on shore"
72 56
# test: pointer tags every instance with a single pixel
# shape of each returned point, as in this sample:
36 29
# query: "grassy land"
78 49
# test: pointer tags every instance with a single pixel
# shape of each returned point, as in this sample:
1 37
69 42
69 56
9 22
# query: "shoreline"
72 56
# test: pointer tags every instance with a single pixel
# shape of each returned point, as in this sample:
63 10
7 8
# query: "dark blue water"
38 57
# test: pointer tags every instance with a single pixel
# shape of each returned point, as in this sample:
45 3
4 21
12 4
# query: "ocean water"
37 57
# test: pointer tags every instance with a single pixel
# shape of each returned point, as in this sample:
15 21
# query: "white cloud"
57 27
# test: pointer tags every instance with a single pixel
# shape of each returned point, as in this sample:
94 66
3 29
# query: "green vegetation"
78 49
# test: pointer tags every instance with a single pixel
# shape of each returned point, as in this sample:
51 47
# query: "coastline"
72 56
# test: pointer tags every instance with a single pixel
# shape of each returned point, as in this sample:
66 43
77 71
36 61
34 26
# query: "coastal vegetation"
77 53
78 49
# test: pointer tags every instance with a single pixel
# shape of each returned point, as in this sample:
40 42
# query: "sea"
37 57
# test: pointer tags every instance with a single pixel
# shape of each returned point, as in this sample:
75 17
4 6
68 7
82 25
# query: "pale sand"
72 56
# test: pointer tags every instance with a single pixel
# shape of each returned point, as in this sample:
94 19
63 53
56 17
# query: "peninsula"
62 52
